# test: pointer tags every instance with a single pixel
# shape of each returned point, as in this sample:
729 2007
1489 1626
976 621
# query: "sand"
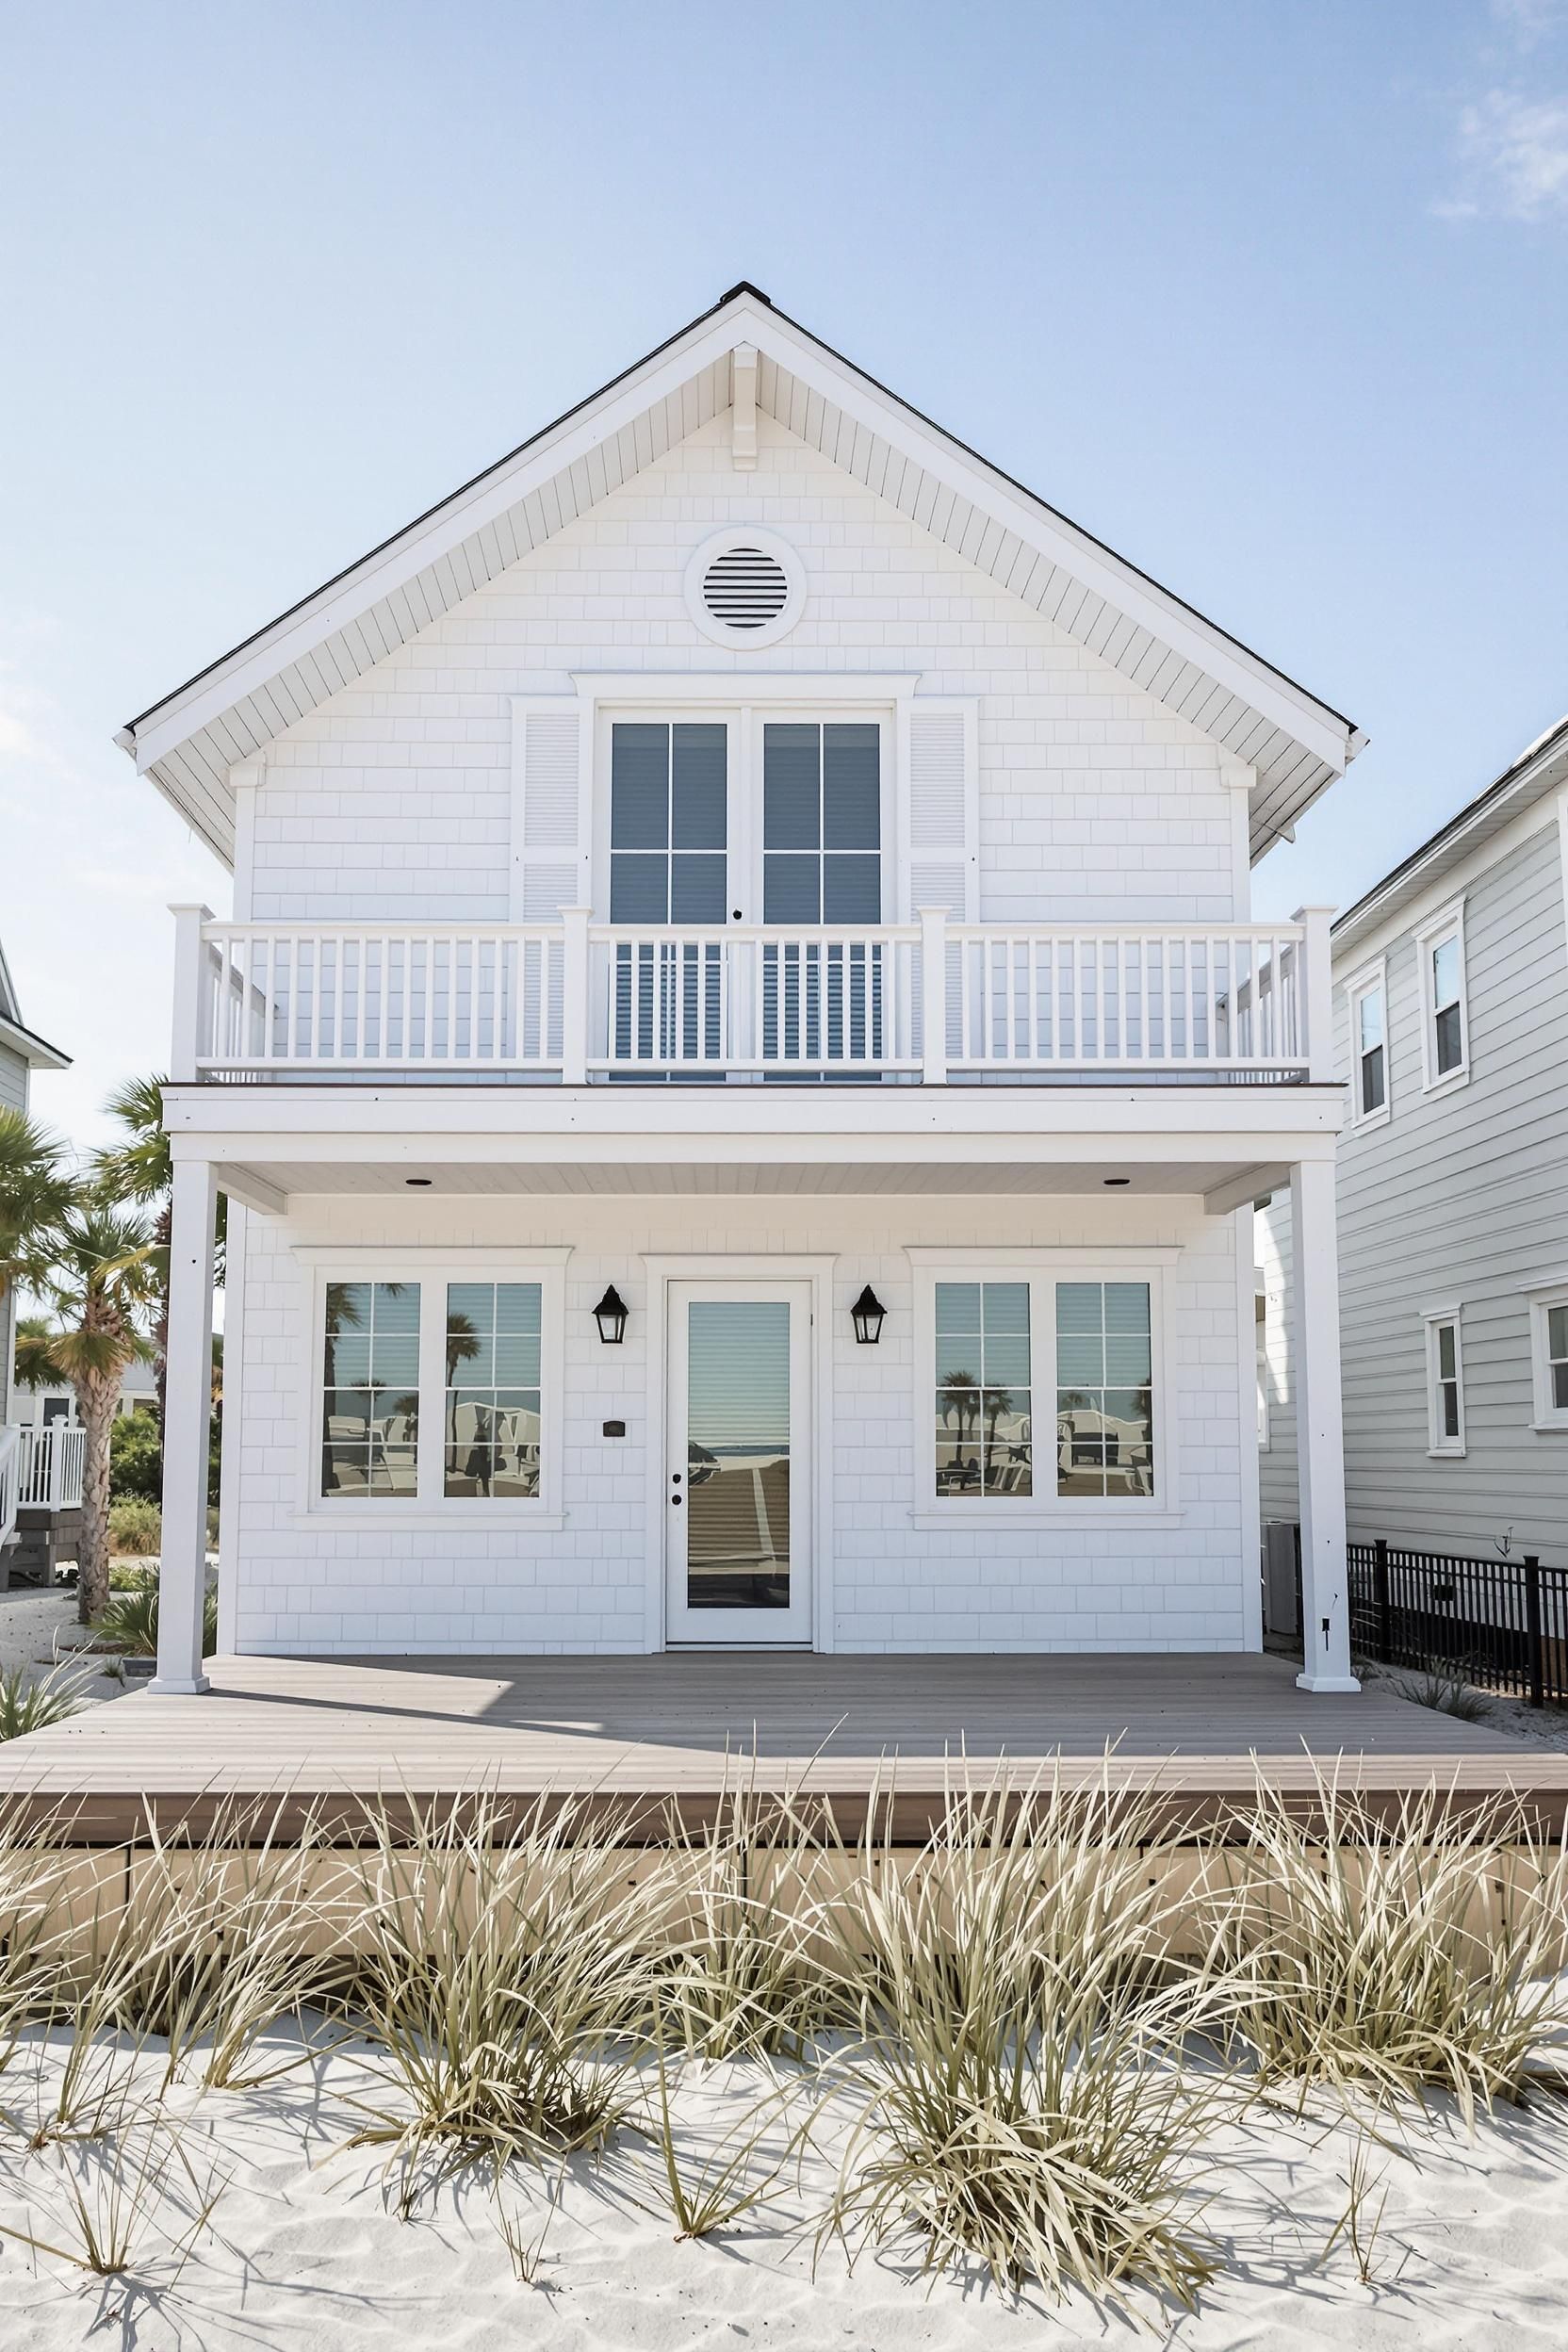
305 2249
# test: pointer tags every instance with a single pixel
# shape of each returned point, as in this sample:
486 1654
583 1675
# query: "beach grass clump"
129 2201
1018 2098
31 1703
1390 1954
740 1972
505 1981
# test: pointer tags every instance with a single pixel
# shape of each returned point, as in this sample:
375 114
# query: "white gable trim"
188 740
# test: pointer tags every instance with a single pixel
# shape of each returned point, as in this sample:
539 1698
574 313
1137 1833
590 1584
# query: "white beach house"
742 1061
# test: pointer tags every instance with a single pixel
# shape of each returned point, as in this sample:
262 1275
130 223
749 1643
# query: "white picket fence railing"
577 1001
10 1477
51 1459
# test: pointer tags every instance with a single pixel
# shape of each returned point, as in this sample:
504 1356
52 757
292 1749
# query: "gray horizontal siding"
1462 1197
13 1080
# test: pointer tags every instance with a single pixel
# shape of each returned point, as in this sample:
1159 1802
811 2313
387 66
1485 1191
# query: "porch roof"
1227 1144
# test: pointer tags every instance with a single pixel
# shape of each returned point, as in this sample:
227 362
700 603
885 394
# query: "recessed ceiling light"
1116 1180
417 1181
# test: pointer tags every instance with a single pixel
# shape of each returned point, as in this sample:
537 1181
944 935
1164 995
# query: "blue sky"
1271 299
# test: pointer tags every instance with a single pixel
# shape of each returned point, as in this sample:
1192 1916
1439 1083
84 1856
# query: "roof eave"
35 1050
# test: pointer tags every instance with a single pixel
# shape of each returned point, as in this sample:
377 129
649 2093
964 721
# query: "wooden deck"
680 1728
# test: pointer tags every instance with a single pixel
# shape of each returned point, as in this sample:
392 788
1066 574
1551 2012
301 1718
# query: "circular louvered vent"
745 587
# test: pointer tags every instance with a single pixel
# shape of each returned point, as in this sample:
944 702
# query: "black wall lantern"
868 1312
610 1314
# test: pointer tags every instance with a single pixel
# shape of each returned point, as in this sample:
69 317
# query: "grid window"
1447 1011
983 1389
669 823
1557 1357
491 1405
1371 1054
1104 1393
822 822
370 1391
1446 1398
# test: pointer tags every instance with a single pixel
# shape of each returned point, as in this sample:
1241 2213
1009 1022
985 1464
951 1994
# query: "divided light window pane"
370 1390
822 822
669 823
984 1415
1371 1049
1104 1395
1448 1382
1556 1356
1447 1017
492 1402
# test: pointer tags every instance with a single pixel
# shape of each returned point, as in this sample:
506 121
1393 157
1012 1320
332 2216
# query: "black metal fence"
1500 1623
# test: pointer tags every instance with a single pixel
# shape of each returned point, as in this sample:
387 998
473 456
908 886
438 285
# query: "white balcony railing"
581 1002
40 1469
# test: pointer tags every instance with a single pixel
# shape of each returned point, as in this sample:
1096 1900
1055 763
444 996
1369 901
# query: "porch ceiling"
258 1181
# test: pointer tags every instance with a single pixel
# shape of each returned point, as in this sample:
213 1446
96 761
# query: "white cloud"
1515 154
1529 21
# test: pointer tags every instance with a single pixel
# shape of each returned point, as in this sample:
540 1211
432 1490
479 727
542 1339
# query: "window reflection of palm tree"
462 1345
344 1314
962 1394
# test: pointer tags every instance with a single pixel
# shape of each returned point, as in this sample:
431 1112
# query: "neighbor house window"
1370 1048
822 821
1549 1350
984 1416
1444 1384
490 1418
1104 1389
370 1383
1446 1015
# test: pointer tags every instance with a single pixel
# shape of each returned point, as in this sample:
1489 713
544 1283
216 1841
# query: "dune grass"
1012 2047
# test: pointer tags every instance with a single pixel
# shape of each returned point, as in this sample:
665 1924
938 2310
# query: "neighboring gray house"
21 1054
1451 1026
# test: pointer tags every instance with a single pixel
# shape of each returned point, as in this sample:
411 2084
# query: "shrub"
132 1620
136 1457
136 1526
27 1705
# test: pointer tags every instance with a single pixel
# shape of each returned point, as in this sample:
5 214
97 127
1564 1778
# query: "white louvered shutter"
942 807
549 832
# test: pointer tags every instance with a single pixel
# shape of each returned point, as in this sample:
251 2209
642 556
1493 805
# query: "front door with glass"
737 1485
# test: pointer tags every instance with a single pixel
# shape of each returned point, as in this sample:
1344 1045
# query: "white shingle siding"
1461 1197
302 1585
1097 804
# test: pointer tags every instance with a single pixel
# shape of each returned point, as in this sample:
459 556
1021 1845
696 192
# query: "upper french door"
738 1473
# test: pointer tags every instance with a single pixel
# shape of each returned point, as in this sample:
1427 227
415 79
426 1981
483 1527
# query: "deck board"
680 1727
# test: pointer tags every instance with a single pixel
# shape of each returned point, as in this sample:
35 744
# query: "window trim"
1042 1268
744 716
1372 979
1447 923
1549 1418
1441 1448
433 1268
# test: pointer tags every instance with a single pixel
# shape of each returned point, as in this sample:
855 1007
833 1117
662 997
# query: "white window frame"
1439 1446
1372 980
1542 1296
745 701
432 1269
1042 1270
1448 923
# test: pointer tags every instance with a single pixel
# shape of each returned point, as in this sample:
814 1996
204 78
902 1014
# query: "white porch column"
1319 1427
188 1408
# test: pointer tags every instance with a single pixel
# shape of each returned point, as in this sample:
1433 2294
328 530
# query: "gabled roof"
35 1050
227 713
1540 769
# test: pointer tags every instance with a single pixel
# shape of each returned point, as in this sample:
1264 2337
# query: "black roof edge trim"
1544 747
742 286
32 1035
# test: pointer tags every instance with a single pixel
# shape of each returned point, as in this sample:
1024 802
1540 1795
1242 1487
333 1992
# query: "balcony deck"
677 1729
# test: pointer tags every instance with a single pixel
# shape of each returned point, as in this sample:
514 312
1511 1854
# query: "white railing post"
933 996
1315 991
190 1038
188 1413
574 996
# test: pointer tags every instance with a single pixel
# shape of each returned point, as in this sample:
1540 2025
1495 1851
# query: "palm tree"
35 1194
138 1170
103 1282
35 1363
